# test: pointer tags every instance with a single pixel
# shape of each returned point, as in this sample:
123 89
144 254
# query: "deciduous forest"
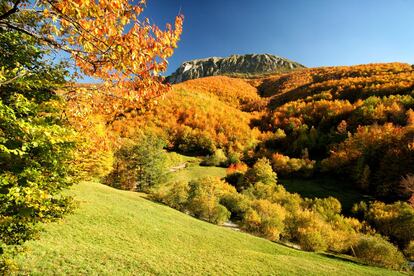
319 159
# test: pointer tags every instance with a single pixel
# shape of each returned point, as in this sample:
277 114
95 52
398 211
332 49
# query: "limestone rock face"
249 65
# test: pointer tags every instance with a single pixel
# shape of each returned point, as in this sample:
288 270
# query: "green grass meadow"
117 232
193 170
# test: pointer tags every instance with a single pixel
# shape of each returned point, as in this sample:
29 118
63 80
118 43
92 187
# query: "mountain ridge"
248 65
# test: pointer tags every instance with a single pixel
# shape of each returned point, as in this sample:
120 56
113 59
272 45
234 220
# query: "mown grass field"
119 233
193 170
196 171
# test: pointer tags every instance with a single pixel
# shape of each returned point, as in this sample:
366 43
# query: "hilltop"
118 232
234 65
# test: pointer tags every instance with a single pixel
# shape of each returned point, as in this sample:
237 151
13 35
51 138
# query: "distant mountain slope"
119 233
340 82
307 122
353 121
244 65
235 92
197 120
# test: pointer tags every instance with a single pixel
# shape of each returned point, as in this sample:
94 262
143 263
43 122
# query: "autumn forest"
305 159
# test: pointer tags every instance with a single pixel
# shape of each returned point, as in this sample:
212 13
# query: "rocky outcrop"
244 65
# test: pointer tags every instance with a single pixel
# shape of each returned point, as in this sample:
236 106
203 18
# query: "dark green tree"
140 164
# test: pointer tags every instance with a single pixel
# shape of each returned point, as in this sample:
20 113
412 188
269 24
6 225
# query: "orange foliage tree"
107 39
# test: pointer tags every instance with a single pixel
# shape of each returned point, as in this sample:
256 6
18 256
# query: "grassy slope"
117 232
193 170
196 171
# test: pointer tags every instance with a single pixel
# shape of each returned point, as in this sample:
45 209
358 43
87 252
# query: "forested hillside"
317 159
332 125
355 122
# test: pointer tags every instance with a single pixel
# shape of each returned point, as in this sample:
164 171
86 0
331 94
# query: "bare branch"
13 10
21 75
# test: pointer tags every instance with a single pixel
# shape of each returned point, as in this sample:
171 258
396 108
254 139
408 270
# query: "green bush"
260 190
174 195
284 165
265 219
237 204
204 199
328 207
218 158
311 240
219 214
377 251
260 172
409 251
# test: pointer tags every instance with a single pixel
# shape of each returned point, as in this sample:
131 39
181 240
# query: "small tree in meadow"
260 172
140 164
204 198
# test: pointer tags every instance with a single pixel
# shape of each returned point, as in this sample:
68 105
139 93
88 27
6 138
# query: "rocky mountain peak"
246 65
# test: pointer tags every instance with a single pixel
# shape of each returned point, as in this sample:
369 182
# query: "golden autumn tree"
107 40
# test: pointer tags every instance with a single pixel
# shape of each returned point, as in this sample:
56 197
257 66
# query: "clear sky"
311 32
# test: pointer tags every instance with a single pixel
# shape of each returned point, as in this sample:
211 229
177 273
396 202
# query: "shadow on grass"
341 258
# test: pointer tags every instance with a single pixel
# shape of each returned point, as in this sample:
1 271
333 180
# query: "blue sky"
312 32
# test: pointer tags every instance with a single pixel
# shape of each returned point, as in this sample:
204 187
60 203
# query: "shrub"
260 190
377 251
219 214
328 207
218 158
308 229
395 221
409 251
237 204
234 157
285 165
140 163
204 199
265 218
260 172
275 194
174 195
311 240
